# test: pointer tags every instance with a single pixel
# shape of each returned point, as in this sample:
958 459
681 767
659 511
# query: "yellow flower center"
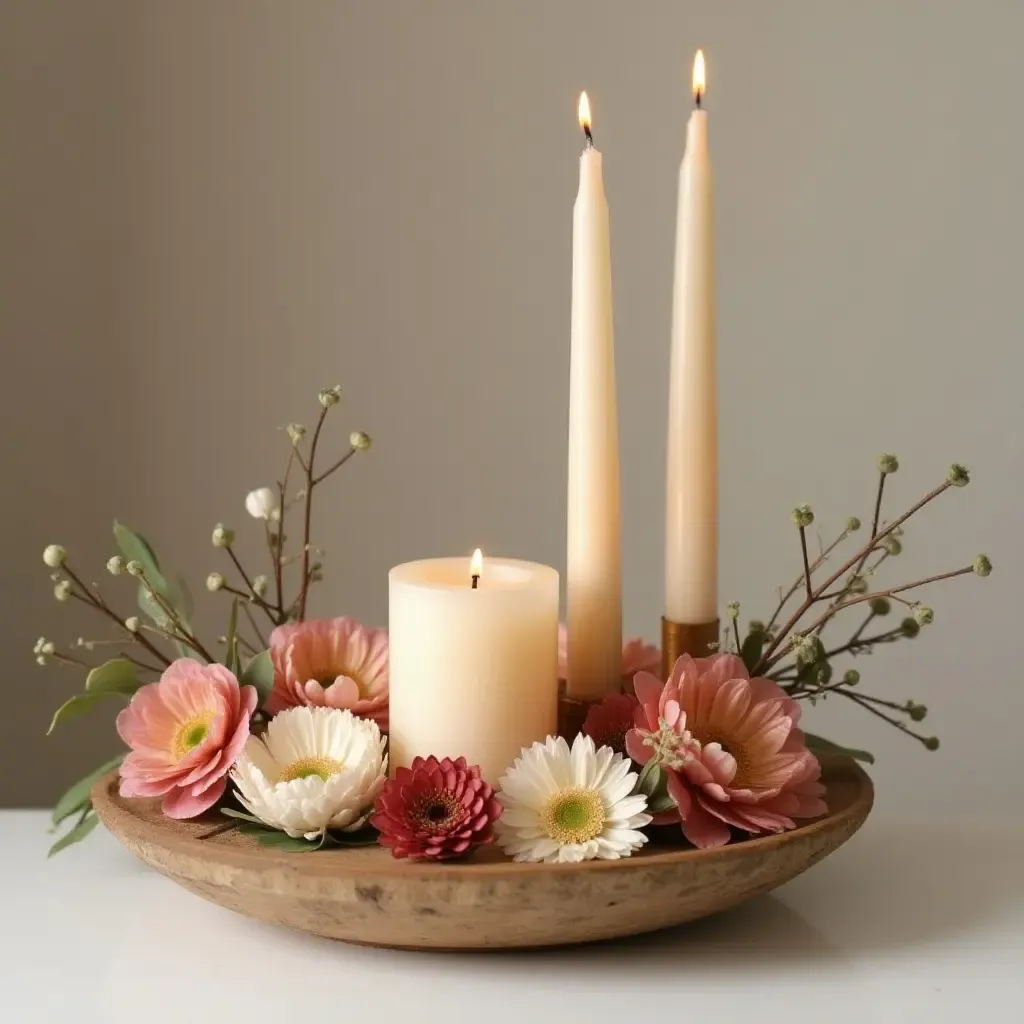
322 767
573 816
190 734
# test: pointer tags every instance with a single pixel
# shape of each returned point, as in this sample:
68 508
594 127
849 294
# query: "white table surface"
916 923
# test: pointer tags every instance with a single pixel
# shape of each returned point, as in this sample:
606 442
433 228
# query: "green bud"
909 628
330 396
823 673
802 515
931 743
958 475
924 616
888 463
858 585
359 440
880 606
917 712
732 609
892 546
115 565
982 566
851 677
807 649
852 524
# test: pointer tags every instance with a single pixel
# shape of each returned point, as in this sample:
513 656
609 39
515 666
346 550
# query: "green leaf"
78 705
820 745
273 839
136 548
660 803
184 602
116 675
650 778
259 672
77 796
87 823
751 650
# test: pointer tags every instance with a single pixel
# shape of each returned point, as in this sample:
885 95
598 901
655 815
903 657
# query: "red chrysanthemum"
435 810
608 722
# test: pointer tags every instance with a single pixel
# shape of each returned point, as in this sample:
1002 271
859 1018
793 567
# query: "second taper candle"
594 574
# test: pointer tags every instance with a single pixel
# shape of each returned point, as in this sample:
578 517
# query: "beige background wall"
208 210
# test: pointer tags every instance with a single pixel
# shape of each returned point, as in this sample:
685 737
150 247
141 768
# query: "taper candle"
593 579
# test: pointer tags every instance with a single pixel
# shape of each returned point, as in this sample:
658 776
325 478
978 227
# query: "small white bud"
48 647
296 432
40 659
262 504
330 396
132 623
259 585
54 555
359 440
115 565
222 536
134 568
214 582
62 591
39 645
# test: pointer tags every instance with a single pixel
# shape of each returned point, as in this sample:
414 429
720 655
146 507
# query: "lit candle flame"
476 565
699 77
584 112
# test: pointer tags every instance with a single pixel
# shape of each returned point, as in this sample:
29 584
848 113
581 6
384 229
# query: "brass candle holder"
679 638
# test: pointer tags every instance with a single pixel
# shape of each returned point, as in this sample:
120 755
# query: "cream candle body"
691 522
473 671
593 570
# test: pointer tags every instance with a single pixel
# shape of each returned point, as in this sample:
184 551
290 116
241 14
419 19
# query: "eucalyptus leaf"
751 650
660 803
259 672
230 812
87 823
78 705
820 745
77 796
273 839
184 603
136 548
116 675
653 781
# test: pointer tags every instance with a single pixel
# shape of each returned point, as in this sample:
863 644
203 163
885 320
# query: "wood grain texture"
363 895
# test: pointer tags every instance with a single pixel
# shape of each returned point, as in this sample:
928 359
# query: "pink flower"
637 656
730 747
435 810
608 722
334 663
185 731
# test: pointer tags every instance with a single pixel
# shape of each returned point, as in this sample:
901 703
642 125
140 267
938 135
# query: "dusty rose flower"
435 810
637 656
185 731
334 663
608 722
730 747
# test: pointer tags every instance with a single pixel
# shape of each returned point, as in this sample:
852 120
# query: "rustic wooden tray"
363 895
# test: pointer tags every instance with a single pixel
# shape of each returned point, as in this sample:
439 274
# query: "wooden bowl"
363 895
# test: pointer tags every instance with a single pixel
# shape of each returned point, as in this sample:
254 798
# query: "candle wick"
589 135
476 581
697 97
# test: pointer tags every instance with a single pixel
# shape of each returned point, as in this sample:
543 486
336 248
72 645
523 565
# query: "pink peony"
334 663
608 722
730 747
637 656
185 732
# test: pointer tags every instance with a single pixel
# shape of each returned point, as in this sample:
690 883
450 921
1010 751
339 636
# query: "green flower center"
573 816
322 767
191 733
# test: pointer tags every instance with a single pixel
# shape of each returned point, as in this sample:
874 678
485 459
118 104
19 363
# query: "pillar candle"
473 669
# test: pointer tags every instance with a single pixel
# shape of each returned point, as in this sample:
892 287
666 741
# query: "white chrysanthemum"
570 805
315 768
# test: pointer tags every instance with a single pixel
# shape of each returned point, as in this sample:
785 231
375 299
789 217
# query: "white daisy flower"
568 806
315 768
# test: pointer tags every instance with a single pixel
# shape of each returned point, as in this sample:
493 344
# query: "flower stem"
180 631
308 520
95 600
252 593
252 622
783 634
818 562
807 563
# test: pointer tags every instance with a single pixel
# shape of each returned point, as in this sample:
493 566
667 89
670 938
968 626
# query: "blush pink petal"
735 756
158 724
